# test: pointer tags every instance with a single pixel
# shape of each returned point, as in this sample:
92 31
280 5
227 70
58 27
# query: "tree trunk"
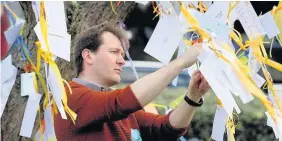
80 16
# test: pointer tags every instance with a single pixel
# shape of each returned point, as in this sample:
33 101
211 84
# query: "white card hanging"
238 88
36 9
57 91
49 130
249 20
12 33
213 26
219 122
181 50
30 114
207 68
142 2
8 79
269 25
59 43
253 63
259 81
218 10
164 39
56 19
27 84
273 125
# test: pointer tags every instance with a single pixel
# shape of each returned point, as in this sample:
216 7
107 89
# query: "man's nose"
121 61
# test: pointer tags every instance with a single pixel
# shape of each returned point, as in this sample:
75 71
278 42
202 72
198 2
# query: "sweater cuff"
129 101
178 132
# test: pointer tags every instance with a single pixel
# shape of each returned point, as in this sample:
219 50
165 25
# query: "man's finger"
196 72
202 86
196 78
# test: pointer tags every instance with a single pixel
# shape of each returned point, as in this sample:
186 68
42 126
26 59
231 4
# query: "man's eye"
113 51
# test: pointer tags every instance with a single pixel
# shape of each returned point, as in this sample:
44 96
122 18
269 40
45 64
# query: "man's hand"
182 115
198 86
190 56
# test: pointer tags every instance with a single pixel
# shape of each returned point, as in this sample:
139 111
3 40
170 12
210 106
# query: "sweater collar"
90 85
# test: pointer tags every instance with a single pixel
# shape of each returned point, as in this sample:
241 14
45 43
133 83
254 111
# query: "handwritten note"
213 26
249 20
164 39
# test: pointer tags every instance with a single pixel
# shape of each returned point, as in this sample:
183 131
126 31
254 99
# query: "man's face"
109 59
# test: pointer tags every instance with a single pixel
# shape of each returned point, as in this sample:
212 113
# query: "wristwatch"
192 103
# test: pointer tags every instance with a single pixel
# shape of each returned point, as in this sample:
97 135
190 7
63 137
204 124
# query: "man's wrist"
193 98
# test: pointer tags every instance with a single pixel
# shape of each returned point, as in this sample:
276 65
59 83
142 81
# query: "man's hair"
91 39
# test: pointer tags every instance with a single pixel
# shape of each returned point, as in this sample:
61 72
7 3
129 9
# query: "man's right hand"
190 56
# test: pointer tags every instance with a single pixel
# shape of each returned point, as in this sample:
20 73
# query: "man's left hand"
198 86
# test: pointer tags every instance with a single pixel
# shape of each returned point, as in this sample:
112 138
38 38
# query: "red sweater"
111 115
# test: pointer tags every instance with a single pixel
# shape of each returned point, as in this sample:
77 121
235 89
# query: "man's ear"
88 56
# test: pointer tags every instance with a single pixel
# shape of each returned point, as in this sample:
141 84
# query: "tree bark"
80 16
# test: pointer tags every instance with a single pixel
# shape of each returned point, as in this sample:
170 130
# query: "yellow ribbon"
47 56
159 105
231 128
176 102
237 66
113 9
231 7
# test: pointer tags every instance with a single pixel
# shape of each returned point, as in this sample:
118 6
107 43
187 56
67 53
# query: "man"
105 114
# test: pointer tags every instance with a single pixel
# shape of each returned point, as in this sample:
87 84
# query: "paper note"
181 49
213 26
56 17
249 20
278 21
59 43
142 2
218 10
219 122
222 81
183 23
269 25
195 3
259 81
238 88
57 91
13 32
37 136
208 68
164 39
253 63
36 9
273 125
27 84
168 7
49 132
192 69
30 115
278 90
8 78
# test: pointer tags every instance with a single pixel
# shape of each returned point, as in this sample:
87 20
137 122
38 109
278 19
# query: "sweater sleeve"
157 127
98 107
